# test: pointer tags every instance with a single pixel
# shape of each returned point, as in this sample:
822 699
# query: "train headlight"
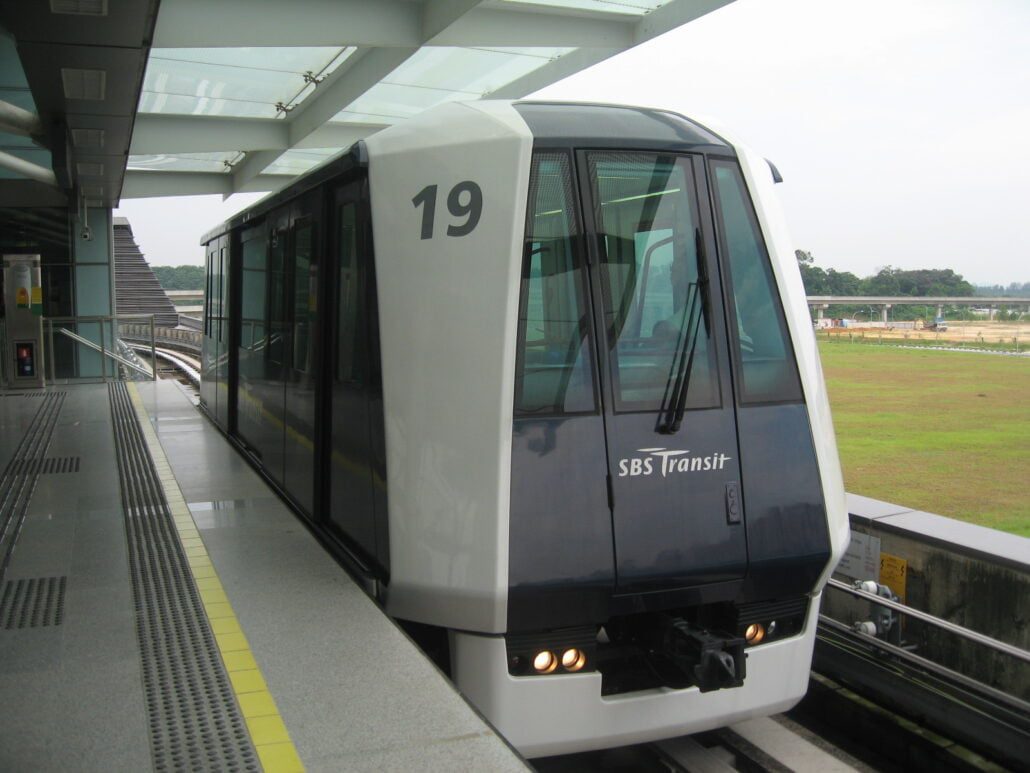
754 633
573 659
544 662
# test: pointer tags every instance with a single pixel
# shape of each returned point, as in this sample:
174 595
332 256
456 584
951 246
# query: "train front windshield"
652 280
652 287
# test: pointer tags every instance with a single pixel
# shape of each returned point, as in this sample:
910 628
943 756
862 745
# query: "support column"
886 308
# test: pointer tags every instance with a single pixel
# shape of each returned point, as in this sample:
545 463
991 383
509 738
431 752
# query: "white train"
544 375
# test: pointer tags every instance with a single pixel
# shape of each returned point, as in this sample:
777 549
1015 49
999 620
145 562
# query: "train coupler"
710 659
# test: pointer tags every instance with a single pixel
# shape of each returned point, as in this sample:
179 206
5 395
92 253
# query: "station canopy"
223 96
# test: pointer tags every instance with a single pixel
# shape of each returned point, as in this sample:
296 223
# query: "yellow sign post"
893 572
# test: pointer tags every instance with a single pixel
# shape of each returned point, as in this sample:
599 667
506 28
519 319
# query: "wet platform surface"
346 690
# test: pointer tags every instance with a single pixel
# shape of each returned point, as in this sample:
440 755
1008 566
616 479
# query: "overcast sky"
901 127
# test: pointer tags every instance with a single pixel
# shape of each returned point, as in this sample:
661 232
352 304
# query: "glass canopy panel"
435 75
300 161
475 71
187 105
240 82
182 162
633 7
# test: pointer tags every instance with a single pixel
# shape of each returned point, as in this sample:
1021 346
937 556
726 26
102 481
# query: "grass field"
944 432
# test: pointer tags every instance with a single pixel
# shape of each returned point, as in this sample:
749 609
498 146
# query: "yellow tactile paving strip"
268 733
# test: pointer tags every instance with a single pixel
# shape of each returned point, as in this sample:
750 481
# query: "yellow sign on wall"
21 297
893 573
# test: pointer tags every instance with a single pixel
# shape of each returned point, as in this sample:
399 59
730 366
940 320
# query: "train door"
668 407
261 389
214 358
208 346
222 334
254 340
300 288
350 476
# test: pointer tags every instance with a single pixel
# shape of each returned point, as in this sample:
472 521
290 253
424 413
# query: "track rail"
977 716
188 366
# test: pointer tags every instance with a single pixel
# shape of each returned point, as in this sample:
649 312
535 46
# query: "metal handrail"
116 357
103 321
958 630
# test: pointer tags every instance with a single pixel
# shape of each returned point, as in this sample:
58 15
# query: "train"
543 376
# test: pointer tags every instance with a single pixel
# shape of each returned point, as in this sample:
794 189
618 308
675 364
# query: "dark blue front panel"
670 517
788 542
561 569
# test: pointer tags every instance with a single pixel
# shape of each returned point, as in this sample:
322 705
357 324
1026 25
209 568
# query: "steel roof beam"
155 133
142 185
362 70
656 23
383 24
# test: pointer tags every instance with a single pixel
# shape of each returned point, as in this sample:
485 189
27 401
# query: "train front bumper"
565 713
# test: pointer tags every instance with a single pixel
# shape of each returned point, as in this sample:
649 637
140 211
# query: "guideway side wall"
969 575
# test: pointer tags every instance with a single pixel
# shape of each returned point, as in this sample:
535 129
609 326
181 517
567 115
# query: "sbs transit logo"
669 461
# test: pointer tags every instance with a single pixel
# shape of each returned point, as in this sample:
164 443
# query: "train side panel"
448 191
788 277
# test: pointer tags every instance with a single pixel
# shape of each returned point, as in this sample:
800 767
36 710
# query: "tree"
813 277
180 277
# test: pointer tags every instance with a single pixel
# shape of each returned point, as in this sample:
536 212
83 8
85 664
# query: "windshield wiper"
695 310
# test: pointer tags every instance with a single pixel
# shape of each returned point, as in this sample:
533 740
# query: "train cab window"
646 215
554 373
253 293
763 350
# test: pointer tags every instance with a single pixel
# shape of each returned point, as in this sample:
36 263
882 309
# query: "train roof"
552 124
595 125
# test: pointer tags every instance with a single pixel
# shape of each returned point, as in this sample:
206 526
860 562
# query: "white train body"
544 374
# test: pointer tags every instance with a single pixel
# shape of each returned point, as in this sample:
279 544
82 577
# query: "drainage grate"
34 603
45 466
195 723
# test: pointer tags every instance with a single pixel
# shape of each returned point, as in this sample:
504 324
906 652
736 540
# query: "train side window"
763 349
348 368
223 294
253 293
646 214
554 373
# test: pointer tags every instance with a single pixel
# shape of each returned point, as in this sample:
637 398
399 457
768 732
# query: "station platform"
161 609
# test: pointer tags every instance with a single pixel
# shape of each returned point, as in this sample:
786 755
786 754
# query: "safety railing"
190 339
868 591
98 334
